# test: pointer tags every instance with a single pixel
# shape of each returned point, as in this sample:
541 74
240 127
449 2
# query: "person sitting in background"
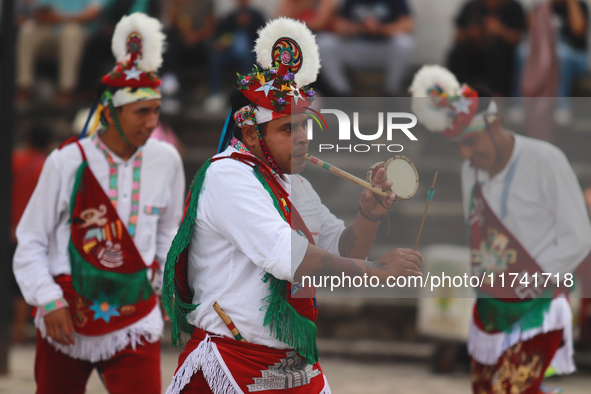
316 14
487 33
97 56
192 25
61 23
368 34
571 20
232 48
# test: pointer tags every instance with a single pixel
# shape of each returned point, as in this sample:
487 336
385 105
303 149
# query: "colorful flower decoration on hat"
288 59
444 106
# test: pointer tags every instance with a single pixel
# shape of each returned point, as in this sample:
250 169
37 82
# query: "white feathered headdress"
440 103
138 43
288 59
283 34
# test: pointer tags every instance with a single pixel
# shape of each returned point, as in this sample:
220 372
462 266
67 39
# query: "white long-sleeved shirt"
539 200
238 236
44 232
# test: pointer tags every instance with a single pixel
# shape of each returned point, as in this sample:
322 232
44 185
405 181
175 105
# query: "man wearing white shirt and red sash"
96 231
526 217
253 228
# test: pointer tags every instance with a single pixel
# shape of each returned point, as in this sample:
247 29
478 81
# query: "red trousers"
520 369
128 371
197 385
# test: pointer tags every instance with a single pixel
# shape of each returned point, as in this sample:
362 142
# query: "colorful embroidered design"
53 306
493 255
103 255
290 372
245 116
103 309
150 210
288 52
239 146
236 144
113 183
520 369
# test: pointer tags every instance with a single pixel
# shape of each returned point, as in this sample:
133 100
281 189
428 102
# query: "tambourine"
401 172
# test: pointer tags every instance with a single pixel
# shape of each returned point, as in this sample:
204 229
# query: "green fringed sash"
497 315
176 296
284 322
125 284
122 289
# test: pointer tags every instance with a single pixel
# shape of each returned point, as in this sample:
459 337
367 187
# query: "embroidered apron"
496 251
246 367
109 287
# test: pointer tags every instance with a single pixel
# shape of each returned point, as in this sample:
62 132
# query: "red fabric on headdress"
119 78
462 119
265 100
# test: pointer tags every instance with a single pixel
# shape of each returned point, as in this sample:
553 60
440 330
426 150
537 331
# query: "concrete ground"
346 376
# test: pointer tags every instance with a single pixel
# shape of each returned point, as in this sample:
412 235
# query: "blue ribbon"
92 110
227 133
430 194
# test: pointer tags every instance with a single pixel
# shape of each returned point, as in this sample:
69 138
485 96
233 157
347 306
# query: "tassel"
286 324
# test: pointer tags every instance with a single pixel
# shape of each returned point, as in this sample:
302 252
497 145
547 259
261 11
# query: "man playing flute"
253 228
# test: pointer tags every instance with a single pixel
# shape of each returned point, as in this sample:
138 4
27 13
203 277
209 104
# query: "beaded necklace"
135 190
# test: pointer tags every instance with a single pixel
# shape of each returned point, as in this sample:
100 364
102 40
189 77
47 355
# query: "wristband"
367 217
53 306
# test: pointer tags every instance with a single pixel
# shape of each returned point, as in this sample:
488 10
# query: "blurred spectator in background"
571 21
487 33
192 25
368 34
317 14
98 57
64 24
23 10
232 49
165 133
27 164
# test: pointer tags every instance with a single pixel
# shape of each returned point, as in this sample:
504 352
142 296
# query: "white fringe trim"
208 359
487 348
104 347
326 389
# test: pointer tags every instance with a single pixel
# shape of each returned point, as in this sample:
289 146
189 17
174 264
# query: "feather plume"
428 78
299 32
150 30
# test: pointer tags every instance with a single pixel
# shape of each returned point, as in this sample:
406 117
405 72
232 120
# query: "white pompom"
427 78
150 30
299 32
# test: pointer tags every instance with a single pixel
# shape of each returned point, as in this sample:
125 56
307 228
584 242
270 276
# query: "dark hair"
101 89
484 97
237 101
39 136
